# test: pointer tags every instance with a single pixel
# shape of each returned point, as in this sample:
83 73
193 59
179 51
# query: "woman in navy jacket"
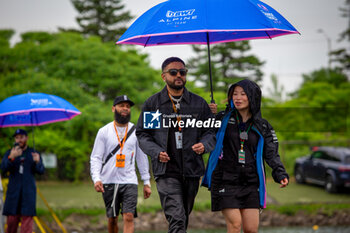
235 172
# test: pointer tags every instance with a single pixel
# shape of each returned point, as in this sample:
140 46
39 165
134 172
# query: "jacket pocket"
158 167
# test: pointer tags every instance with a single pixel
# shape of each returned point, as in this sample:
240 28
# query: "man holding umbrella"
176 150
22 163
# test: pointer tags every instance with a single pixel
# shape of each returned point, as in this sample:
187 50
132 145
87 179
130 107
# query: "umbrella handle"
33 138
211 80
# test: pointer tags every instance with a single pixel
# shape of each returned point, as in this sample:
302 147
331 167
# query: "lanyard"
175 110
121 143
244 132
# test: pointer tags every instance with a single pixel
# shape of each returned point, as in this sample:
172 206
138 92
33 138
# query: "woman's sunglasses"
173 72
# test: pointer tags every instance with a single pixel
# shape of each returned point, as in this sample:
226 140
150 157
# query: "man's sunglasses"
173 72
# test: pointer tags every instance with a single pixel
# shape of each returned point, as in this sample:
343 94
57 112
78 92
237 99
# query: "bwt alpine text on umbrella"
171 14
179 16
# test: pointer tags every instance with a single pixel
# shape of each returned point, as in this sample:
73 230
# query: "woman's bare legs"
235 218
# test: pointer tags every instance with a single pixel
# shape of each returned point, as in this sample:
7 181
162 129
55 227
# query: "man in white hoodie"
112 165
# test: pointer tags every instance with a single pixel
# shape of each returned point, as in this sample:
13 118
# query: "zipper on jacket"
166 145
182 157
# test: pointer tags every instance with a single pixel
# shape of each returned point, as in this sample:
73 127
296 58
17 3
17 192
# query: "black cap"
122 98
20 131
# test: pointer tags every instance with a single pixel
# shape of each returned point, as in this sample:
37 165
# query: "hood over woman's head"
253 92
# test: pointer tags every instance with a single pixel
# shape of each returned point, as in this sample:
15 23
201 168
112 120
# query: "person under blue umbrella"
22 162
176 151
235 172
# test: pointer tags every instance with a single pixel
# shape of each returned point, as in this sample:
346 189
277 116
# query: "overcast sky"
288 56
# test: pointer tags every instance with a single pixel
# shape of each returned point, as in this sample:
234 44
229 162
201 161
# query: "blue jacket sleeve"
39 167
6 164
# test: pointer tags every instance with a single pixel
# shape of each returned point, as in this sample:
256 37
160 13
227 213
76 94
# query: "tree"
276 92
85 72
5 36
342 56
318 109
230 63
333 77
71 141
102 70
104 18
345 35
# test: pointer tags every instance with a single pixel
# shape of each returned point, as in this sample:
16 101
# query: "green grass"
293 209
65 195
304 194
66 198
307 198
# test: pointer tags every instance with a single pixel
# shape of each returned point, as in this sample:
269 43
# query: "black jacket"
270 153
267 148
154 141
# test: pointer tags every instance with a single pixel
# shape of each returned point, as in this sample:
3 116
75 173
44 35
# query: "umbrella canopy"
206 22
35 109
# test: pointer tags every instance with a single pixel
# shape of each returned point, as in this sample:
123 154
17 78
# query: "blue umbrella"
206 22
35 109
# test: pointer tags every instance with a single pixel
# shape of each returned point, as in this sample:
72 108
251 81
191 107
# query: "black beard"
22 147
176 87
121 119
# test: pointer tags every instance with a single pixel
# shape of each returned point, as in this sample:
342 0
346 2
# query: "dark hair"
171 60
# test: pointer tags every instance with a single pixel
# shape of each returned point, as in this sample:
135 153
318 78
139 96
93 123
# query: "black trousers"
177 200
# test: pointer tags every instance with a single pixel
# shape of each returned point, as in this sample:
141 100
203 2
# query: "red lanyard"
121 143
175 110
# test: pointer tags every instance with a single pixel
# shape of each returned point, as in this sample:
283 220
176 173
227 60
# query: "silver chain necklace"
177 105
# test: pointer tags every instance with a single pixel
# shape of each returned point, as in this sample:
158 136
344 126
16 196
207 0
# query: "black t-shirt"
229 170
174 167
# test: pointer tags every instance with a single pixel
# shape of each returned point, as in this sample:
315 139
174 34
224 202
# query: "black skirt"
234 187
234 197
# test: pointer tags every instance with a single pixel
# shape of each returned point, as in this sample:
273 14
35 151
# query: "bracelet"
11 159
